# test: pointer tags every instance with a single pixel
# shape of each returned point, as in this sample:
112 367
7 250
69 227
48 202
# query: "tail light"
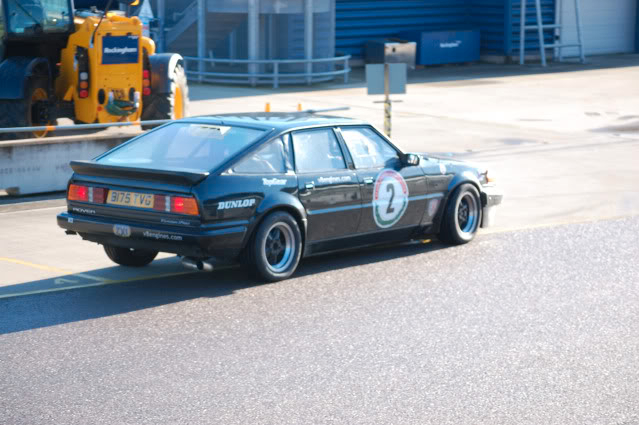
172 204
96 195
82 59
176 204
146 75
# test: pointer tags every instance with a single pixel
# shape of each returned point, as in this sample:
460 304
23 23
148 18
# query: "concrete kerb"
42 165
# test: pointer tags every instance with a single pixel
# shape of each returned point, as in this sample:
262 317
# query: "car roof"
276 120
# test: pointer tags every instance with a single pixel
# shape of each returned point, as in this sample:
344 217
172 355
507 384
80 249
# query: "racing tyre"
276 247
462 216
167 106
129 256
25 112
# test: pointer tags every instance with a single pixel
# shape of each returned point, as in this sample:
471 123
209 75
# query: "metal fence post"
346 66
253 37
276 71
201 36
308 38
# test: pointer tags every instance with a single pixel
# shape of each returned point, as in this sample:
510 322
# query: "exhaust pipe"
199 265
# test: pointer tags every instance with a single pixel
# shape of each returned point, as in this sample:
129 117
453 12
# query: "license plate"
130 199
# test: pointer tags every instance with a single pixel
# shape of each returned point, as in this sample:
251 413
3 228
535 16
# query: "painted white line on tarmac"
102 282
32 210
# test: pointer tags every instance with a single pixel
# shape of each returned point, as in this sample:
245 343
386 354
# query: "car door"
328 189
393 194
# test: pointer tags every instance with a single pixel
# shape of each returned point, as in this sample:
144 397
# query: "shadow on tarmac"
40 310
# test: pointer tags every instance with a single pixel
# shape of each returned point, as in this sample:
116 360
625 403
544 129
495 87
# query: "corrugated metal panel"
532 38
490 17
360 20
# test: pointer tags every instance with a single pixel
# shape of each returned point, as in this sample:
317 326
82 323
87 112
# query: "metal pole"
201 36
161 19
253 36
579 38
522 34
540 31
387 102
558 31
308 37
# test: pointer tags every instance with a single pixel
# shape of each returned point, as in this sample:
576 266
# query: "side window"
39 15
269 159
317 150
2 29
367 148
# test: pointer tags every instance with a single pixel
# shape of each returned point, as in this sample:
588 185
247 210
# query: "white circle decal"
390 198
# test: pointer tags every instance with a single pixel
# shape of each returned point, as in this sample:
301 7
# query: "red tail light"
96 195
160 204
145 74
176 204
78 193
99 195
83 94
184 205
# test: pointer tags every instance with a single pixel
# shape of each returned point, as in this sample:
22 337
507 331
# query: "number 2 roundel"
390 198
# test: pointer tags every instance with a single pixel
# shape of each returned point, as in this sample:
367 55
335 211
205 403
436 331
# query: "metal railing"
271 73
74 127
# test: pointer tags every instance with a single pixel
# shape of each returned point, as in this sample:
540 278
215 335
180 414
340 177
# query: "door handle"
368 180
309 186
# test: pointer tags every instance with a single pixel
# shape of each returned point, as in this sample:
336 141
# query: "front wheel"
276 247
129 256
27 112
462 216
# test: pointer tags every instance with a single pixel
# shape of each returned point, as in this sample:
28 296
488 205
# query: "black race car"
269 189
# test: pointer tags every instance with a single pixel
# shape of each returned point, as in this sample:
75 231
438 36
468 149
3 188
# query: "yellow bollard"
299 107
267 108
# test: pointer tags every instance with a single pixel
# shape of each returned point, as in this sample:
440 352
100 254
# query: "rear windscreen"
180 145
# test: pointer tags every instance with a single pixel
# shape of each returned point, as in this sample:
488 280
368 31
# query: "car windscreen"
183 145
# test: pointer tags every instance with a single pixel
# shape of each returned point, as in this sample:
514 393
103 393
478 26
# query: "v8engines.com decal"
390 198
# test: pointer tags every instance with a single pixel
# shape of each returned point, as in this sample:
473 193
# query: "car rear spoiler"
177 177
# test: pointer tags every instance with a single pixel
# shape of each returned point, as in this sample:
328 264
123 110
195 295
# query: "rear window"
182 145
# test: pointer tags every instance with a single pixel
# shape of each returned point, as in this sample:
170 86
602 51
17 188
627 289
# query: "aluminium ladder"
540 27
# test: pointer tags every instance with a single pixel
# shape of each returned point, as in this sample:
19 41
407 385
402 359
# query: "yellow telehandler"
88 65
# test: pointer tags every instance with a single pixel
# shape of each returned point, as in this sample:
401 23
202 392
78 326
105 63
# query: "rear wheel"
461 216
129 256
167 106
27 112
276 247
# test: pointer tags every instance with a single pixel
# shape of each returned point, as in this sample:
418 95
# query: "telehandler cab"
88 65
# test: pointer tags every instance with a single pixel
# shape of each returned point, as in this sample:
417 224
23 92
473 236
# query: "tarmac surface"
530 327
533 322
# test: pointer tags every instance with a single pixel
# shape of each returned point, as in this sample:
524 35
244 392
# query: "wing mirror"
411 159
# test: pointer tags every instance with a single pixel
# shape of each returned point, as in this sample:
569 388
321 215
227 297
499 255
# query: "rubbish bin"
442 47
391 50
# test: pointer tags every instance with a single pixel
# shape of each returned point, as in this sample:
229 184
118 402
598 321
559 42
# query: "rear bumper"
491 198
223 242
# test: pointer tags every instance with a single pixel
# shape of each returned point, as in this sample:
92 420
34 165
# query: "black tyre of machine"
169 103
31 110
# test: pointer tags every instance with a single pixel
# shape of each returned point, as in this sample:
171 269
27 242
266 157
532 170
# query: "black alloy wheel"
462 216
276 247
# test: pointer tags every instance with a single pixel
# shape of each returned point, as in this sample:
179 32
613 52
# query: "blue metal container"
441 47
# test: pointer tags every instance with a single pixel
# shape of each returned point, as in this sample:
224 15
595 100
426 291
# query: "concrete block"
42 165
